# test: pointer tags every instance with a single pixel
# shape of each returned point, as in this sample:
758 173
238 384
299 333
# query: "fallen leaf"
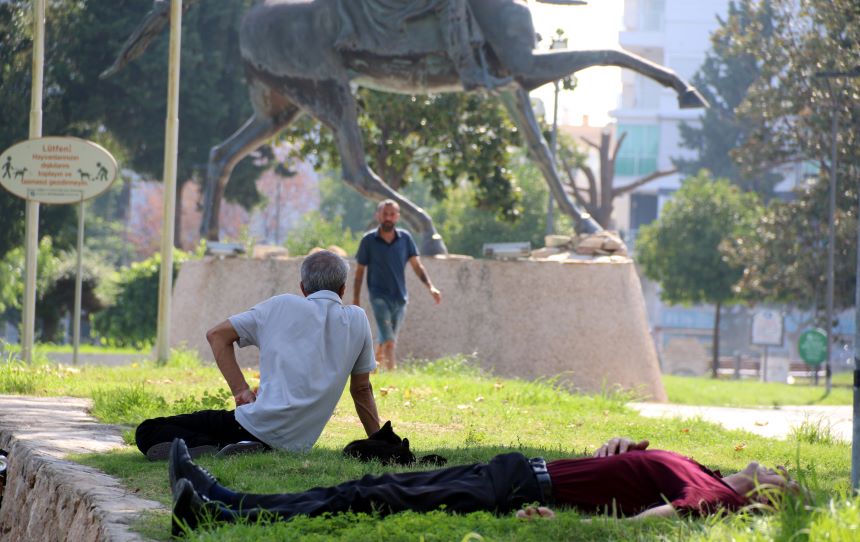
498 385
478 399
761 424
740 446
464 407
685 430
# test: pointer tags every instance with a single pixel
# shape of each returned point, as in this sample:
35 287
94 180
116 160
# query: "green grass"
687 390
45 348
451 408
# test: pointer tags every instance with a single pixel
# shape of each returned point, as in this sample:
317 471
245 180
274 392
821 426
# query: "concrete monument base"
583 320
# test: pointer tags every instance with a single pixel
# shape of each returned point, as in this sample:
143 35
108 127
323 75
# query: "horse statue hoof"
433 245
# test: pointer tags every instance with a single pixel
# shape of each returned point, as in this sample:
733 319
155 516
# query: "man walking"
384 252
309 347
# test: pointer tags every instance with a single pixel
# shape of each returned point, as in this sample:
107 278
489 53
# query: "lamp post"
558 43
855 440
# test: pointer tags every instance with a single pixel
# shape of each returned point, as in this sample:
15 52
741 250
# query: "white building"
676 34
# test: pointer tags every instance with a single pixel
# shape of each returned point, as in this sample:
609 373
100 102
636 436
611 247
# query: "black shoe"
161 451
186 507
243 447
179 465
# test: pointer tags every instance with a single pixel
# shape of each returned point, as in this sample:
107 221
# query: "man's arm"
356 285
221 339
418 267
365 405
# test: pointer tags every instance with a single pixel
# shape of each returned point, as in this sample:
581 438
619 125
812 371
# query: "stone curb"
48 498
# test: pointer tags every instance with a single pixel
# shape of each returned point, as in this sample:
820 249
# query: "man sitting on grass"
309 347
623 478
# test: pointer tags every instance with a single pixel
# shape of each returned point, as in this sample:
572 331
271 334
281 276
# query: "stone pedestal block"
585 321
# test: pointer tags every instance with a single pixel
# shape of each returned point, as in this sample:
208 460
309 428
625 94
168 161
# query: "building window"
638 153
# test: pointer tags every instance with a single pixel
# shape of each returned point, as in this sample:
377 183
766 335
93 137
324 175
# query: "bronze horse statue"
300 57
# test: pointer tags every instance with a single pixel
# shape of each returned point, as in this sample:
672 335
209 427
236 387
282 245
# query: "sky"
593 26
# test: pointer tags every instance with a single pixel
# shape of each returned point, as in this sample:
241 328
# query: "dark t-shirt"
635 481
386 263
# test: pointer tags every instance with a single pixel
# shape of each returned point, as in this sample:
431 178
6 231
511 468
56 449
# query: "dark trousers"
504 484
202 428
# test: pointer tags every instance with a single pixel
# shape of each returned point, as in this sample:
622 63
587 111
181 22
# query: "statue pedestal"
585 321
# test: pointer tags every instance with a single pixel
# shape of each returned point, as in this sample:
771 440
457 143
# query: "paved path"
767 422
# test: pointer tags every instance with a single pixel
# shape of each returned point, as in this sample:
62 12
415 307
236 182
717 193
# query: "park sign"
767 328
57 169
812 346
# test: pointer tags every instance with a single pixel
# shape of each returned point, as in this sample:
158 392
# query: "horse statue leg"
552 66
517 102
224 157
334 105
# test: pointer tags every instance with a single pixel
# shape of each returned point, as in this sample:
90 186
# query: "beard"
387 226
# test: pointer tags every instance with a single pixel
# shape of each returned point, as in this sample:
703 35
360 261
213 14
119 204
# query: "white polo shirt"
309 346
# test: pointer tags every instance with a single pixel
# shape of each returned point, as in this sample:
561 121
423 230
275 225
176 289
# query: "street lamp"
558 43
855 441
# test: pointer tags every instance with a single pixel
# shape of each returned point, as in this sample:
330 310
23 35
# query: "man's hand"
437 295
620 445
534 512
245 397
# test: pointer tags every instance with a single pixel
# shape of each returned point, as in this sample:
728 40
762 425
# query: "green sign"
812 346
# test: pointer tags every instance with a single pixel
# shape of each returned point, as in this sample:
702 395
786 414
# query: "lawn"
749 393
449 407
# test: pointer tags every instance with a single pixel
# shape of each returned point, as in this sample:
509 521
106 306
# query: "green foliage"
125 112
789 108
17 377
466 228
12 273
133 404
131 318
316 231
785 255
681 251
723 79
814 430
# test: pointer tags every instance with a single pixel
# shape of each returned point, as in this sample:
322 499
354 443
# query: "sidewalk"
767 422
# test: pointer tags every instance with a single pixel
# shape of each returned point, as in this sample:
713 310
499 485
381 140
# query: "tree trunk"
715 362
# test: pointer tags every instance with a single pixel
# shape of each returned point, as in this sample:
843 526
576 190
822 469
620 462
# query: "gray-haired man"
309 347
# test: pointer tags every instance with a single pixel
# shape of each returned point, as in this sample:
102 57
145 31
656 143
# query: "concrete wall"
528 319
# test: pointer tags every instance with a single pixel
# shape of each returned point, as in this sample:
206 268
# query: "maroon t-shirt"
629 483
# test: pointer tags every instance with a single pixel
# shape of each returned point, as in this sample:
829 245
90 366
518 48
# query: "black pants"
202 428
504 484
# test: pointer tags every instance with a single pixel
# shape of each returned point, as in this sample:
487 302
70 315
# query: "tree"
724 77
788 108
790 113
681 251
784 255
126 112
598 197
130 320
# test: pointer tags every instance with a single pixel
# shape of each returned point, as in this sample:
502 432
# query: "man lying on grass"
622 478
